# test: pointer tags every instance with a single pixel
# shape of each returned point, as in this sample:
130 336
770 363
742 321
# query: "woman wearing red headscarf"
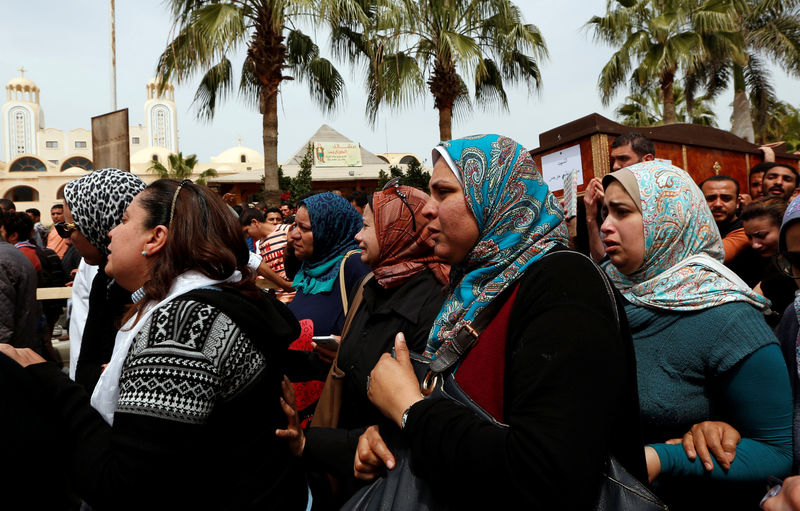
403 294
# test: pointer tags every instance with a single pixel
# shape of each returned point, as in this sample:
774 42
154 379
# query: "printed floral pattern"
682 268
518 218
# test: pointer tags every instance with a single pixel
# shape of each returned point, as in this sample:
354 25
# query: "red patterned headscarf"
404 252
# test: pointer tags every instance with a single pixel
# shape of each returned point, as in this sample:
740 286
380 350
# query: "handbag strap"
468 334
357 299
342 283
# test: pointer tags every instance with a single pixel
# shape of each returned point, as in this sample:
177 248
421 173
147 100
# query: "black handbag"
400 490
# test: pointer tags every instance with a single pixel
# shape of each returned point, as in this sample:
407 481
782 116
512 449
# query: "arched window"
27 164
22 194
155 157
244 160
405 160
60 192
384 158
77 161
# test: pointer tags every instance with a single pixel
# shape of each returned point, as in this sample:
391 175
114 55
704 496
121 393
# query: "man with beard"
722 195
780 180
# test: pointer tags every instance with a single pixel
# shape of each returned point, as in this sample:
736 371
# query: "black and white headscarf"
97 201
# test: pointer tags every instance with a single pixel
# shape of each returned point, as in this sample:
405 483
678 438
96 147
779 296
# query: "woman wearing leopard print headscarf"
93 205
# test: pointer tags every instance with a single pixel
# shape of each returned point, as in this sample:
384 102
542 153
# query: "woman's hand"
593 198
371 455
653 463
393 386
719 438
293 432
22 356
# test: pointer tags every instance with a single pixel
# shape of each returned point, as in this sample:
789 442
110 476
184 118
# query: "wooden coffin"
701 150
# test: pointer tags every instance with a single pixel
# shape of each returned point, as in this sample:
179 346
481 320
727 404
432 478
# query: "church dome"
21 83
239 154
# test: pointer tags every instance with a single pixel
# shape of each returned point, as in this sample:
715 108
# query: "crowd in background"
228 356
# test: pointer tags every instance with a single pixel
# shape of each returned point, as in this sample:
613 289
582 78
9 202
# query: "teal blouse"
722 363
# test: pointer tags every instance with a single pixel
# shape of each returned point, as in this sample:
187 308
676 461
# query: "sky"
64 46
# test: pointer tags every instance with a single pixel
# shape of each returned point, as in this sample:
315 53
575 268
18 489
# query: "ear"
648 157
12 237
157 239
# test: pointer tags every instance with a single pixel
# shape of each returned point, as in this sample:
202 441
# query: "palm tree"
408 44
661 38
645 108
180 168
208 31
771 31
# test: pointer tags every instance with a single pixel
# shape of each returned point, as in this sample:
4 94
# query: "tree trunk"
741 119
269 104
445 123
667 82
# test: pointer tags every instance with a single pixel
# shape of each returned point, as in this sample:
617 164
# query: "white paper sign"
556 166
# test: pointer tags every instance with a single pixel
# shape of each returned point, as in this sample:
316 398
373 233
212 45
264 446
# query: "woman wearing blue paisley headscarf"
325 228
703 349
553 367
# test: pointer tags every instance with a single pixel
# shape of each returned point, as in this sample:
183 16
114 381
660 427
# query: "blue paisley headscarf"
334 224
683 253
518 219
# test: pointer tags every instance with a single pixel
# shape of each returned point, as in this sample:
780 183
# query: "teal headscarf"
334 224
682 268
518 219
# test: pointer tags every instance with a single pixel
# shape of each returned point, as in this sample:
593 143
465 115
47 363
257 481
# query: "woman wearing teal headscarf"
324 234
703 349
553 367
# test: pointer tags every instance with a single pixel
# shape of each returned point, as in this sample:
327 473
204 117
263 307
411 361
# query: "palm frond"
215 86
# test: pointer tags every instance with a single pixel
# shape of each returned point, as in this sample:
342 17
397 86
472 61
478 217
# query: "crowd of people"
248 357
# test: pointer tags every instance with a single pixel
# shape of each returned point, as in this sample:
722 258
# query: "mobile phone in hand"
326 341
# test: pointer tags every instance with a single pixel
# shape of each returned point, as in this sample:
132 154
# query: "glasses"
786 262
395 183
65 229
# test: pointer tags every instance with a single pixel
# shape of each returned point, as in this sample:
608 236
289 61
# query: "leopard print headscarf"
97 201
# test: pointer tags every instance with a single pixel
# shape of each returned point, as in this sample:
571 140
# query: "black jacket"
409 308
570 400
197 412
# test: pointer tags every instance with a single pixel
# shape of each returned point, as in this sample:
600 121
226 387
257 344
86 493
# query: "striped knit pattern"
186 358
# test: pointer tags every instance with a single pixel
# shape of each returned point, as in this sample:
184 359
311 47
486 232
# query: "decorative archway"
22 194
77 161
27 164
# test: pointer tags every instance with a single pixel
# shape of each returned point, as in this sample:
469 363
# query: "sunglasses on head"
786 262
65 229
395 183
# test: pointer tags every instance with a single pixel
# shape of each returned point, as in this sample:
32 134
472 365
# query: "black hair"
359 197
6 204
33 211
19 223
57 206
274 210
722 177
769 165
247 216
769 207
640 144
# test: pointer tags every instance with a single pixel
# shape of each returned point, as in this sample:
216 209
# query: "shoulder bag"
401 490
